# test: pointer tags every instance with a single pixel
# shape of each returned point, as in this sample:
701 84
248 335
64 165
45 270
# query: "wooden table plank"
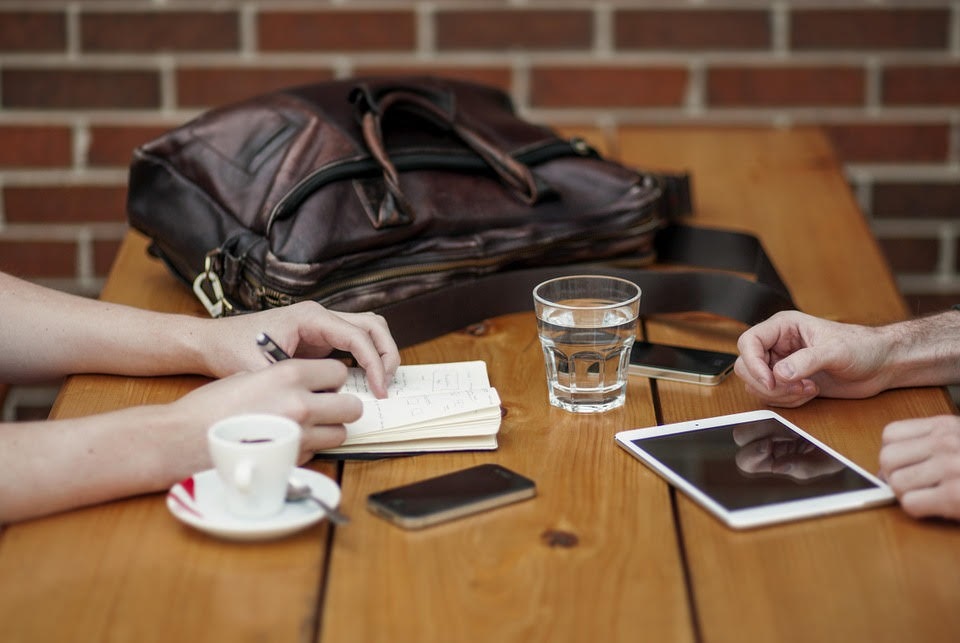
786 186
597 542
865 576
551 569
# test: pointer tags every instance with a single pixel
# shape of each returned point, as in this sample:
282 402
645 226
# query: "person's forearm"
47 467
45 334
924 351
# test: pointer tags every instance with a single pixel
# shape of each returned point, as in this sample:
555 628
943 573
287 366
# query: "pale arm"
46 334
46 467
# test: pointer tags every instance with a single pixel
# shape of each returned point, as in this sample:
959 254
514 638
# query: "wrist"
193 345
924 351
178 443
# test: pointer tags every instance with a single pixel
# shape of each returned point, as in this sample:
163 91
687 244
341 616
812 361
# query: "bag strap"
459 305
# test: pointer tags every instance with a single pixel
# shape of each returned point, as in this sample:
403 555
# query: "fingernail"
786 369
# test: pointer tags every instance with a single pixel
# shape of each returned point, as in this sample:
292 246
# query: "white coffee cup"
254 455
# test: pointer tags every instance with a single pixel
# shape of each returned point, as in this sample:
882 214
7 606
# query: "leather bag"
402 195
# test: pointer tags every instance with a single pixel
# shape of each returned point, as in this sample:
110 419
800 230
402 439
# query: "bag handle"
515 175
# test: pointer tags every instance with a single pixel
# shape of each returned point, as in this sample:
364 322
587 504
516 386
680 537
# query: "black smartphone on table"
452 495
680 363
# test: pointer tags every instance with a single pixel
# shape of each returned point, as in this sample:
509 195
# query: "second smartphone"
450 496
680 363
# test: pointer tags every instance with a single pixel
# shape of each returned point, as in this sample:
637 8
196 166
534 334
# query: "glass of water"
587 325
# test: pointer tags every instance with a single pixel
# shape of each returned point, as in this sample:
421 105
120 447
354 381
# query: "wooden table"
606 552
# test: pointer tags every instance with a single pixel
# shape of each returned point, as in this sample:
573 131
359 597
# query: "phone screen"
451 495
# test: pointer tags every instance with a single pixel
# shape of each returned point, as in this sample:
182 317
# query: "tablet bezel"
765 514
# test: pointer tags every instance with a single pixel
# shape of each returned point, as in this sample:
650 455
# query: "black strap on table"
708 289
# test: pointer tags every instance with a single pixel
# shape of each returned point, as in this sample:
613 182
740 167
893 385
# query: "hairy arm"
793 357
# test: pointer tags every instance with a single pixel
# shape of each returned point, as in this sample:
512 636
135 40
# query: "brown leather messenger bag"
427 200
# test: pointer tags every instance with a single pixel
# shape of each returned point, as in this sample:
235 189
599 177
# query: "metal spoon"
300 490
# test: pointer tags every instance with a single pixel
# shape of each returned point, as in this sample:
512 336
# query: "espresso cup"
254 455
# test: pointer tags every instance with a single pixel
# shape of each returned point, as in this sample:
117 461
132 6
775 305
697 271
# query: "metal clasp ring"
215 303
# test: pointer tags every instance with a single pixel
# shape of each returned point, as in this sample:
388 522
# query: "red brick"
870 29
104 253
785 86
916 200
208 87
23 31
494 76
909 255
890 143
691 29
38 259
65 204
35 146
337 31
160 31
922 85
514 29
114 145
80 89
607 86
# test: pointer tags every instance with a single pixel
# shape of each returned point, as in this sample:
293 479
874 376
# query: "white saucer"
198 502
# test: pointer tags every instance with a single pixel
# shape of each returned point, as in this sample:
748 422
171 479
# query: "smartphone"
680 363
450 496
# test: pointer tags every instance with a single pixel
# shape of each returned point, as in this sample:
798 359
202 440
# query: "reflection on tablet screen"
753 463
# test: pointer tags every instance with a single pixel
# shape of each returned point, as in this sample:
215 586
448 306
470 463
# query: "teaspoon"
299 490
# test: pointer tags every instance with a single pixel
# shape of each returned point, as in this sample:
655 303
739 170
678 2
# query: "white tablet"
756 468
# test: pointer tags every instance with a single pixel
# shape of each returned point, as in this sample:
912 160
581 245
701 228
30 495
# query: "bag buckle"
216 304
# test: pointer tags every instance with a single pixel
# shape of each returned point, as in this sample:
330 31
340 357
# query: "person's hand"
305 329
792 357
769 448
302 390
920 460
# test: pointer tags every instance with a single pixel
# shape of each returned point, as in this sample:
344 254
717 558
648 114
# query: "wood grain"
606 551
865 576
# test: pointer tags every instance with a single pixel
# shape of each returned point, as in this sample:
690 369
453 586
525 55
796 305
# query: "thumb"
799 365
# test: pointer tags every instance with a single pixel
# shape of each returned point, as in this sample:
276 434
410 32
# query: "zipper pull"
272 298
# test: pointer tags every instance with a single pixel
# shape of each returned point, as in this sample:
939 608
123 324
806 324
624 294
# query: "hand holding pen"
300 490
272 351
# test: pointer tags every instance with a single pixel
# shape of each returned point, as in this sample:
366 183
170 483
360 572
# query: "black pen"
271 351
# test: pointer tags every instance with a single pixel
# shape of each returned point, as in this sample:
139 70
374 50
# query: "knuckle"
897 481
946 438
297 410
911 506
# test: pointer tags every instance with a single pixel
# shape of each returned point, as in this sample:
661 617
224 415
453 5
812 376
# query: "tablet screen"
753 463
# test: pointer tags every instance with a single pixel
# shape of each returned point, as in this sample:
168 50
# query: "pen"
271 351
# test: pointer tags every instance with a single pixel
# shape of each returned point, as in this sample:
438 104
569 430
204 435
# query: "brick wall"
83 82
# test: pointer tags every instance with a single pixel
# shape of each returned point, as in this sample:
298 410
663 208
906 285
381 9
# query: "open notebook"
430 407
